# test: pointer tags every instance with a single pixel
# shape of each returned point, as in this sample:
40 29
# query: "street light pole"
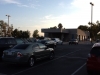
91 15
8 18
91 11
8 21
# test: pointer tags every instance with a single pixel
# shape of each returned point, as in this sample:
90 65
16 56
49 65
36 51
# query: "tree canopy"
35 33
93 28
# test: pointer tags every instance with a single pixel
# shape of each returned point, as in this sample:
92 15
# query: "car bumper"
95 66
14 60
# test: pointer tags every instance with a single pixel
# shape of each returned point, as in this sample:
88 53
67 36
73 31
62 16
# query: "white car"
57 40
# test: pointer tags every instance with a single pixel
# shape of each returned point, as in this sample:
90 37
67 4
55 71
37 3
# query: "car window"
11 41
41 45
19 41
35 46
21 46
3 41
95 51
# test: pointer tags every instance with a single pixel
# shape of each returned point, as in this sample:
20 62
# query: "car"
73 41
48 43
6 43
93 60
27 53
19 40
57 40
98 40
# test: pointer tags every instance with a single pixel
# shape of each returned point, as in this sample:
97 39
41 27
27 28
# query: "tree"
60 26
35 33
3 28
83 27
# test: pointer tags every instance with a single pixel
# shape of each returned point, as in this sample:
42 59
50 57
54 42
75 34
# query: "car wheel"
31 61
52 55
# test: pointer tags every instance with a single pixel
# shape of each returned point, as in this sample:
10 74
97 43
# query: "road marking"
43 63
78 69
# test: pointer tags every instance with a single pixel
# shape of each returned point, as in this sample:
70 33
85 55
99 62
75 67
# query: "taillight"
19 54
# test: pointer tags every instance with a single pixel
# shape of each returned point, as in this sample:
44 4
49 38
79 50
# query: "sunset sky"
36 14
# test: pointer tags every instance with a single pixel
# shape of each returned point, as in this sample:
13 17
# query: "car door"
45 50
40 51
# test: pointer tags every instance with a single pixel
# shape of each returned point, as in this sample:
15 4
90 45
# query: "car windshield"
95 51
21 46
19 41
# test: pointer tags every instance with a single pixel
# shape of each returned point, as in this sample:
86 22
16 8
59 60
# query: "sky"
37 14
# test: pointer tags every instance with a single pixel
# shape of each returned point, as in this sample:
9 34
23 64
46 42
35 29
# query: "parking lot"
69 60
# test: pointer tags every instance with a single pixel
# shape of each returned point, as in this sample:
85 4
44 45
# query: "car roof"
96 45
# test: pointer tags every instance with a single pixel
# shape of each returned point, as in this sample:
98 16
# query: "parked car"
73 41
6 43
98 40
57 40
27 53
93 60
48 43
19 40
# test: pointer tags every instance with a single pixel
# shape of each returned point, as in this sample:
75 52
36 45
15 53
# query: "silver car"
27 53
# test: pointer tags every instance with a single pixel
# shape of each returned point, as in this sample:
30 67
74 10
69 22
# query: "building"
66 34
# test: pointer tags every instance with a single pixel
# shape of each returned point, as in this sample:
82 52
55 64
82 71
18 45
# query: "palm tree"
60 26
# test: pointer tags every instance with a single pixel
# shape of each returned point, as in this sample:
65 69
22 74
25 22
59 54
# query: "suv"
6 43
93 60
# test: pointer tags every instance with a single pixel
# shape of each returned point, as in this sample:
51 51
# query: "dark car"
93 60
6 43
73 41
48 43
27 53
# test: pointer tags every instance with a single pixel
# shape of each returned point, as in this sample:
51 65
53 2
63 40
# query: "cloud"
62 4
11 1
20 4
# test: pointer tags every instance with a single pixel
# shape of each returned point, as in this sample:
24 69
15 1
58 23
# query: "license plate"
9 53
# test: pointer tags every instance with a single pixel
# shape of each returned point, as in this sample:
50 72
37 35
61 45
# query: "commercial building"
66 34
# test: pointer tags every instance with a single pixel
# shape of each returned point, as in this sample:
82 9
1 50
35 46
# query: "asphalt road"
69 60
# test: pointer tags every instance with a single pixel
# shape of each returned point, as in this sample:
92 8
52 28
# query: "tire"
52 55
31 61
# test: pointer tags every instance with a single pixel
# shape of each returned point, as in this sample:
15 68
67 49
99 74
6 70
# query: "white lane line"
78 69
43 63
